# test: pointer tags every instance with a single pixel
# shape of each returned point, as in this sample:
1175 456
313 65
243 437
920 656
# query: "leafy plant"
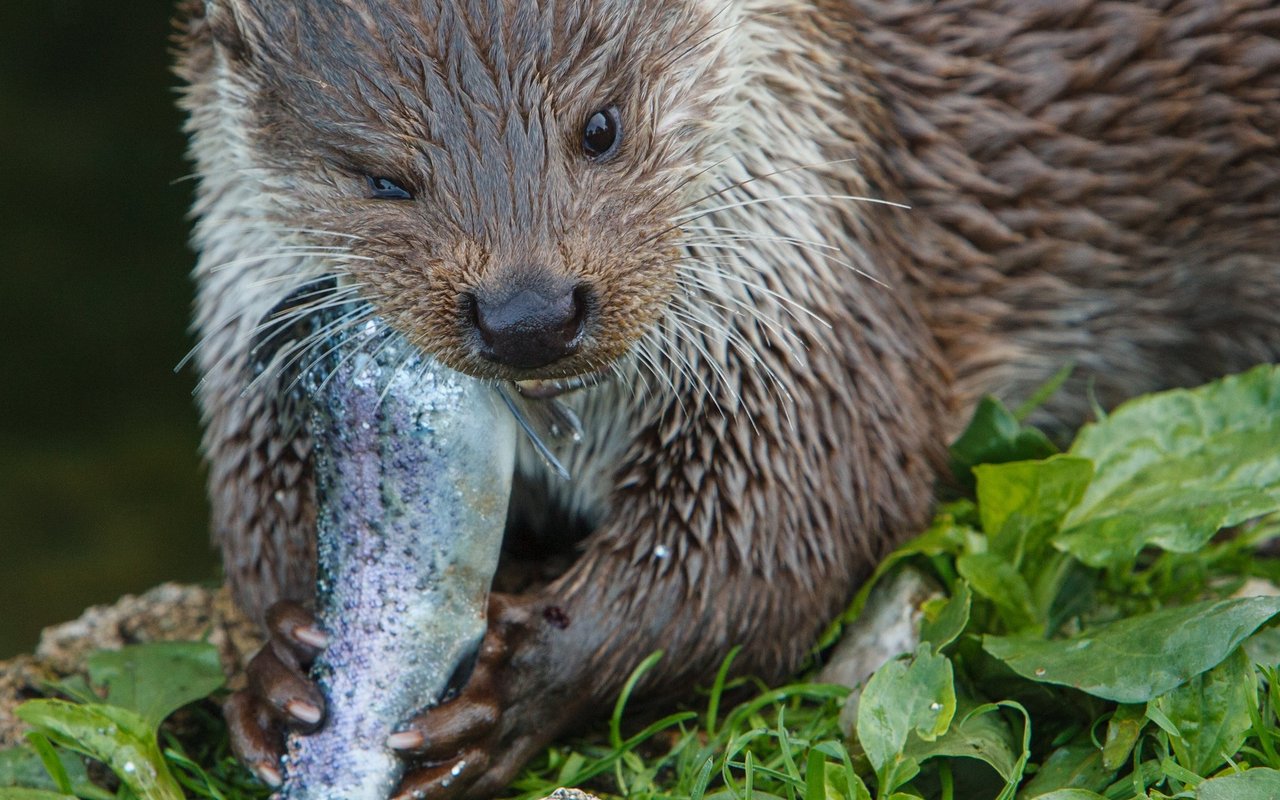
113 718
1100 630
1093 644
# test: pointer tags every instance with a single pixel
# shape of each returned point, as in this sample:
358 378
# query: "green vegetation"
1095 639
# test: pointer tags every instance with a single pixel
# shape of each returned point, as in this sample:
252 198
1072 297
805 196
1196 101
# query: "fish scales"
413 467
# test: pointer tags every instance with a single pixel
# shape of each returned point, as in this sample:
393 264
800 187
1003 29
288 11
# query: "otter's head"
503 177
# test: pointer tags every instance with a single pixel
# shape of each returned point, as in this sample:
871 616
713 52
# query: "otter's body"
783 362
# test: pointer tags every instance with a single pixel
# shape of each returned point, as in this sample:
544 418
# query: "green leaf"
1123 730
119 738
995 436
1046 391
75 687
1212 713
33 794
1068 794
571 767
1076 765
1255 784
977 732
827 781
998 581
846 783
1264 646
22 767
50 760
842 775
157 678
950 622
1174 468
1175 771
1162 721
1065 588
902 697
815 777
1022 503
1139 658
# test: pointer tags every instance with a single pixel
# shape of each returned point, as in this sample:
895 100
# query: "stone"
169 612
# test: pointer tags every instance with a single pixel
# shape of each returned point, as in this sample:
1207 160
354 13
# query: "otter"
769 251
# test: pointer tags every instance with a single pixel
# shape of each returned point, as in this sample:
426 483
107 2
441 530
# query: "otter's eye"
602 134
383 188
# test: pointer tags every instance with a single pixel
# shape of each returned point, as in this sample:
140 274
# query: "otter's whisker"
685 182
284 278
815 248
662 57
693 337
191 176
257 224
320 301
713 295
658 360
295 352
676 360
708 268
825 251
701 322
786 338
323 232
427 366
279 253
215 329
745 350
721 233
783 171
696 385
698 213
306 350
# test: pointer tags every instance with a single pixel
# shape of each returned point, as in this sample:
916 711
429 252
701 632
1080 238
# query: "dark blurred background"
100 479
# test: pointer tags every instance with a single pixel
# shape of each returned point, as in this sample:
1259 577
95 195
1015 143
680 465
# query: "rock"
20 680
570 794
1257 587
169 612
888 626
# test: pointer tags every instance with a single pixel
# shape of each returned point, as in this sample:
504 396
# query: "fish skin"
413 468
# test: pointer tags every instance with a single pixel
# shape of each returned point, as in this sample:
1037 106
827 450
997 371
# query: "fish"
413 466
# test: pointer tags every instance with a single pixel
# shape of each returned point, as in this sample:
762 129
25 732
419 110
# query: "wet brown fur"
1090 182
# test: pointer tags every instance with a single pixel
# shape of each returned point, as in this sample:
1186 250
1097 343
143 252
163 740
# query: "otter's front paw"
474 744
280 697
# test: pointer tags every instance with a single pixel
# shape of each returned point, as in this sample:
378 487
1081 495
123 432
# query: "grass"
1091 639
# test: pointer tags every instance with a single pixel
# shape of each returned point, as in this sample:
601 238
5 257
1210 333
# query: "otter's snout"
529 324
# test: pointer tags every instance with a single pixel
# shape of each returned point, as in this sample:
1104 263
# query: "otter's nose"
530 326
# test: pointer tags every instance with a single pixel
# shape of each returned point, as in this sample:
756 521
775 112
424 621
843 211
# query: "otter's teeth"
547 388
543 389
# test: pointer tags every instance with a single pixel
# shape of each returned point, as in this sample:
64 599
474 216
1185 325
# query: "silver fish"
413 467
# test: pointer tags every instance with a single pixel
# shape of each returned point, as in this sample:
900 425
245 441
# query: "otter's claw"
256 737
465 747
445 781
280 696
456 737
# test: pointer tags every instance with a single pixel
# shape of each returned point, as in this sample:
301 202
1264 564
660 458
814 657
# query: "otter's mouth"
304 329
549 388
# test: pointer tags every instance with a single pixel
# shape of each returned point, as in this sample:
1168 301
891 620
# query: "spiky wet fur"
1090 182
